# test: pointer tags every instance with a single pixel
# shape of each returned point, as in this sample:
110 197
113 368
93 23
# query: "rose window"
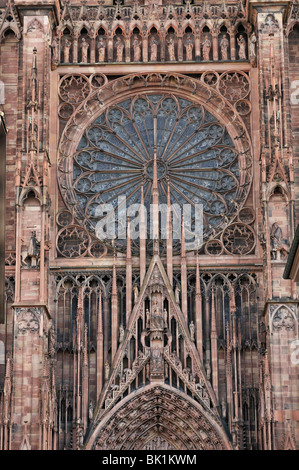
196 157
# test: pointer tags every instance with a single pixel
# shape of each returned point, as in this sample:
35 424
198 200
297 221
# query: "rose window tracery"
195 155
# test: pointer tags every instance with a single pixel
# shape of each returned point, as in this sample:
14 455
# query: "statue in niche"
189 48
121 332
54 47
171 48
84 50
277 247
107 370
90 410
147 316
66 51
224 45
33 252
137 48
192 331
223 408
119 45
136 293
101 49
154 49
242 47
252 43
177 294
206 47
165 315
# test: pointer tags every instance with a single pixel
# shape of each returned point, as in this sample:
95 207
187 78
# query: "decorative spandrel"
195 156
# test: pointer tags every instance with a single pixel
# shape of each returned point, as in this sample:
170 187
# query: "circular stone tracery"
195 155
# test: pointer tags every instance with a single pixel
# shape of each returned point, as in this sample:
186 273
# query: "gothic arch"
158 412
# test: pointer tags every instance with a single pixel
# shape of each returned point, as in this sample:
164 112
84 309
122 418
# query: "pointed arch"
183 423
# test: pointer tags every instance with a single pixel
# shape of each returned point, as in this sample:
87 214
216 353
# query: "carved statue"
107 370
136 293
206 47
101 49
121 333
137 49
171 48
223 408
189 48
154 49
33 250
165 315
192 331
147 315
252 43
242 47
66 51
119 49
84 48
224 44
52 341
277 247
90 410
177 294
54 47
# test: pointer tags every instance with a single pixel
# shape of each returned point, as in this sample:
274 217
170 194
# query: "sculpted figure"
101 49
119 49
107 370
192 331
90 410
154 49
66 50
189 48
137 49
84 48
171 49
121 333
33 250
224 44
252 43
206 47
54 47
242 47
165 317
136 293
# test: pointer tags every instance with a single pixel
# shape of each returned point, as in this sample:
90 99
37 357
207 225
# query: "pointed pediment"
157 330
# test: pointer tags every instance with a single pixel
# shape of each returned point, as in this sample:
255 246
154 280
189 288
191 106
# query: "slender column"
79 333
85 380
145 48
228 376
215 46
214 349
128 275
114 313
198 310
142 240
155 194
232 45
100 348
169 239
184 274
92 50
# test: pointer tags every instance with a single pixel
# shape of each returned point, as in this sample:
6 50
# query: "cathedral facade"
119 328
